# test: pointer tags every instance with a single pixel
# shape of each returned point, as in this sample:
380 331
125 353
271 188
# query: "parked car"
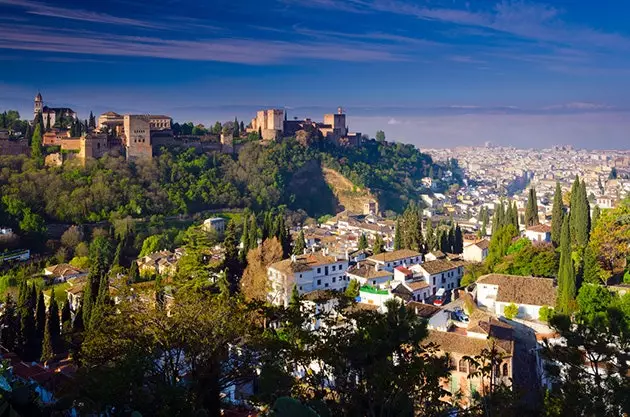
439 297
459 315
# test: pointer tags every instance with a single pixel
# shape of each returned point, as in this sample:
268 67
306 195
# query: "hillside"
349 196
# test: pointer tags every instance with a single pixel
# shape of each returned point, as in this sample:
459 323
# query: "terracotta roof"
303 262
440 265
403 270
395 255
63 270
417 285
321 295
539 228
522 290
366 270
483 244
465 345
423 310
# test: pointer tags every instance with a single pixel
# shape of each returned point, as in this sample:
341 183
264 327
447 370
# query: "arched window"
453 363
463 366
505 370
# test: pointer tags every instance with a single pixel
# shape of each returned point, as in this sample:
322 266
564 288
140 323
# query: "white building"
538 233
441 273
369 273
308 272
477 251
215 223
390 260
529 294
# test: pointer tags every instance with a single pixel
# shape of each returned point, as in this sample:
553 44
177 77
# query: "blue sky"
430 72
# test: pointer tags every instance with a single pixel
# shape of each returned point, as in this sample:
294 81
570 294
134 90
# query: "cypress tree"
531 210
557 216
231 263
583 226
294 302
430 237
32 298
9 325
458 245
252 240
566 273
574 209
48 351
66 315
40 316
444 240
78 325
28 342
244 241
53 321
451 240
592 271
300 244
363 242
397 236
134 274
379 245
596 214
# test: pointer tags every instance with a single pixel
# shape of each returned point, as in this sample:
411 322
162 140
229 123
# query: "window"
333 267
442 276
326 285
319 282
433 280
300 288
505 370
319 270
334 280
443 279
373 282
300 275
463 366
453 363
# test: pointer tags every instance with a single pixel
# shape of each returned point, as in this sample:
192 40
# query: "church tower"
39 105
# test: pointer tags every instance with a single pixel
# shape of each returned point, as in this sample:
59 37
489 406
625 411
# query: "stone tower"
39 105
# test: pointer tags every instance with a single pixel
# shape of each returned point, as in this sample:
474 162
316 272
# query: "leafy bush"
545 313
510 311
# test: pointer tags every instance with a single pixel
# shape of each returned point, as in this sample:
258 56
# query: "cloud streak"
42 9
241 51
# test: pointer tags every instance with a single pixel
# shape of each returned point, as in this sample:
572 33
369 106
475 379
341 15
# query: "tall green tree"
363 242
566 273
379 245
9 325
36 146
430 237
458 243
531 209
557 216
232 263
596 214
40 316
398 242
593 272
300 244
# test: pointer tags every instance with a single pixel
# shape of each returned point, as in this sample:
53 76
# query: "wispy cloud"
57 11
243 51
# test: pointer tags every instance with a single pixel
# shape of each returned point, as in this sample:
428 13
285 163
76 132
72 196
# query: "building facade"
137 137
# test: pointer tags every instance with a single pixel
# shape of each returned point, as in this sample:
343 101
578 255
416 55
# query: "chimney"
347 255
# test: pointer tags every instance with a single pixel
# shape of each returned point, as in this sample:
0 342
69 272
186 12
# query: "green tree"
380 136
153 244
36 146
47 345
545 314
510 311
566 273
596 214
458 243
531 209
66 315
379 245
398 236
363 242
557 216
40 316
9 325
231 262
300 244
134 274
353 288
592 270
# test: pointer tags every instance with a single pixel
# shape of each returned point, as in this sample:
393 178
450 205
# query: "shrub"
545 313
511 311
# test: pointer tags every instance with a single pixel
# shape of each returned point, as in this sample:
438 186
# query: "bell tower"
39 105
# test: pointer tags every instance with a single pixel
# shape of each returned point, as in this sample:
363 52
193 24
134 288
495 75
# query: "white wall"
486 295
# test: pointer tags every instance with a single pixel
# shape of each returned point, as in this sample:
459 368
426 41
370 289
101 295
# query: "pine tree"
444 240
237 128
353 289
451 240
260 136
300 244
363 242
294 302
515 221
252 239
28 341
100 305
574 209
531 210
566 273
557 216
92 122
78 325
379 245
48 122
40 316
583 225
118 254
267 229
